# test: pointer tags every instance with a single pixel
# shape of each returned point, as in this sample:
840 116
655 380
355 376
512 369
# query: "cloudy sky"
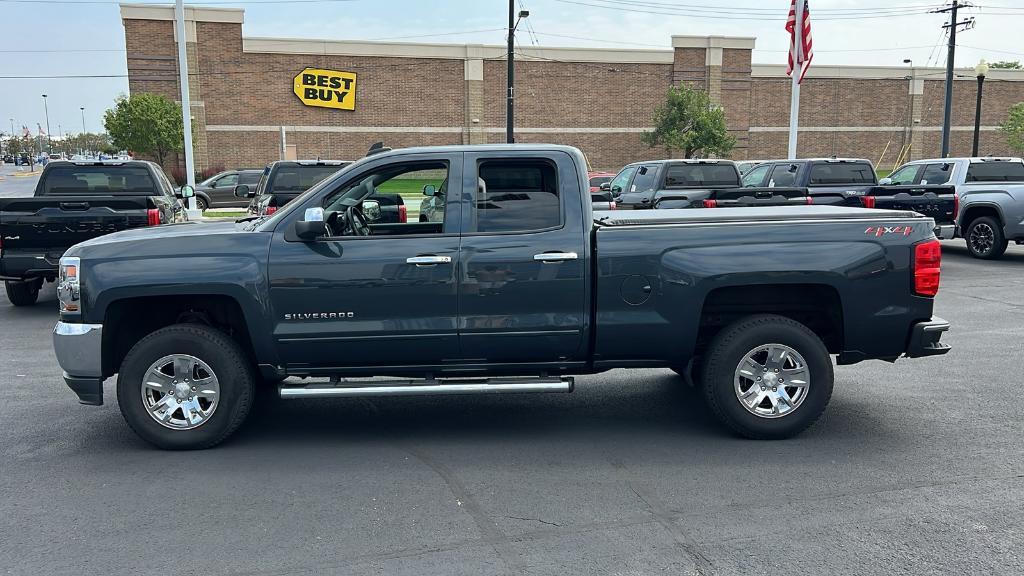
55 38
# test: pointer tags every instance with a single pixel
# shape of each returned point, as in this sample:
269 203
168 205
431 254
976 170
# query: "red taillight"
927 260
956 205
153 217
810 200
271 210
711 203
868 201
403 214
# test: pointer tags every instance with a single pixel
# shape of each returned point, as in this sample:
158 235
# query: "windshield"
698 175
298 177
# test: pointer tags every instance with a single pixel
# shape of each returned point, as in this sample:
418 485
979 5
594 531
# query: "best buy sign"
326 88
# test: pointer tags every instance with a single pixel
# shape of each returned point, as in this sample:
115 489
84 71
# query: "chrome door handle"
555 256
428 260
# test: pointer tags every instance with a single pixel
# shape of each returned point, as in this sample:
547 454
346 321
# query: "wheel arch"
976 210
128 319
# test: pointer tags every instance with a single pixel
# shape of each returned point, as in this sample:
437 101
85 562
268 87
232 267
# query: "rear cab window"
516 195
995 172
99 180
699 175
841 173
596 181
297 178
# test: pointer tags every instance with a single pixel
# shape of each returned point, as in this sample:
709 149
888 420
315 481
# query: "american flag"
799 55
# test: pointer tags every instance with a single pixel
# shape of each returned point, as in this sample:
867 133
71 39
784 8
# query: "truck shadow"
652 407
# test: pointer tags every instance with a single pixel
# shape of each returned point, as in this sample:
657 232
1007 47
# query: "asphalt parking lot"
915 468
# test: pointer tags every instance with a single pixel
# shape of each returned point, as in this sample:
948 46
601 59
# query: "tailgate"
757 197
936 202
51 224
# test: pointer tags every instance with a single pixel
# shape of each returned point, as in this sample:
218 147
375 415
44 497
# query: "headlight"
69 288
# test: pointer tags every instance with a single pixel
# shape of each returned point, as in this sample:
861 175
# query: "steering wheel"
357 224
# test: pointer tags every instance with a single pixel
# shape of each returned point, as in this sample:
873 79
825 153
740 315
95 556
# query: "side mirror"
606 187
372 211
885 182
243 191
428 190
187 191
312 225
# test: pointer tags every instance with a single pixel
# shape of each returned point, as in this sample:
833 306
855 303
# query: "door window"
841 173
390 198
229 180
621 179
516 196
783 175
938 173
646 179
756 175
906 174
251 177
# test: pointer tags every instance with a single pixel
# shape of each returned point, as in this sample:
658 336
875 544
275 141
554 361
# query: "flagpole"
794 100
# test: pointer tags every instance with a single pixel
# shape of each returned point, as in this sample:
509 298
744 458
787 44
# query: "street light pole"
981 70
513 22
82 149
46 109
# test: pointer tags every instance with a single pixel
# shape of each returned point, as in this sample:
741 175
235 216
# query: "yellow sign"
326 88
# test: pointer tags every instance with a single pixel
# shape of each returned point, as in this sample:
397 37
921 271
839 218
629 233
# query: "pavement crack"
534 520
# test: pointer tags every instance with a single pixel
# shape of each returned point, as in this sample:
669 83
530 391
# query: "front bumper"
79 350
945 231
925 336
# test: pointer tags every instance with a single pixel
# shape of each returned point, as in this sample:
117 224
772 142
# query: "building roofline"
192 13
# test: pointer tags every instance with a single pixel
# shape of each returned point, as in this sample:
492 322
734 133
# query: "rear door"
222 190
523 288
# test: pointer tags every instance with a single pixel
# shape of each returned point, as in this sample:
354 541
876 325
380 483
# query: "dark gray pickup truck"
518 287
75 201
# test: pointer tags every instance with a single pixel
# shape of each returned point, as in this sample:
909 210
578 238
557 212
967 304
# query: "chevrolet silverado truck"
75 201
517 288
990 193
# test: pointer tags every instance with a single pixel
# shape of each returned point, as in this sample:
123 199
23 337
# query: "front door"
523 286
384 299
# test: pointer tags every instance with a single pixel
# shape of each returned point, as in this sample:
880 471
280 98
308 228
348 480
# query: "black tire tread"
24 293
714 357
238 359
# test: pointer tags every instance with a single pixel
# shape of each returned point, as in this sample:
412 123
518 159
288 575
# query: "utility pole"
513 22
186 104
46 109
950 54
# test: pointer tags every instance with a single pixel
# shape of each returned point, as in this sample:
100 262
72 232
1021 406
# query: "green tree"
1008 64
1014 127
147 123
690 123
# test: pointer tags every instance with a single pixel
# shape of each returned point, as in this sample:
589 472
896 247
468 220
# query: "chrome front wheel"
180 391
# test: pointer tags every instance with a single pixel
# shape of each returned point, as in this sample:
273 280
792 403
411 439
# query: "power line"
719 15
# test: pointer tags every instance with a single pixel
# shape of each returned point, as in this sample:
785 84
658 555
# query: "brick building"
600 100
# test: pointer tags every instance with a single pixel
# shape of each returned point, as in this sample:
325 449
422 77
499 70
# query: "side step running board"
428 387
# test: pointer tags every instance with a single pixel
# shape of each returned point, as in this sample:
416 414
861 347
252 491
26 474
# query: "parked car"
218 191
519 288
689 184
8 159
432 207
990 193
282 181
73 202
853 182
598 178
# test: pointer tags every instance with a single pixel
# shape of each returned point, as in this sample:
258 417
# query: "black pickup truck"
73 202
518 286
692 184
853 182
